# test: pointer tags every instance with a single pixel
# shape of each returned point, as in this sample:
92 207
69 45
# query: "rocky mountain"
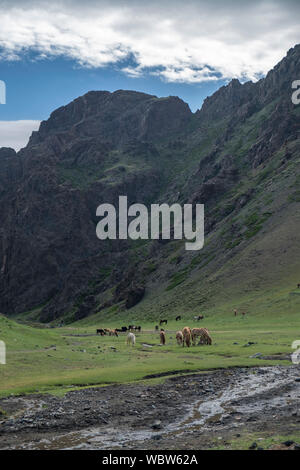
239 155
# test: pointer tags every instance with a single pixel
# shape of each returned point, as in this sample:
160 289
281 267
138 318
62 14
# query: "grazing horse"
199 317
179 338
163 321
186 333
204 335
207 337
130 339
137 328
178 318
235 312
124 329
162 335
100 331
298 285
112 333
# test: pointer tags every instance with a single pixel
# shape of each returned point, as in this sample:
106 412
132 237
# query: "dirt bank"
188 412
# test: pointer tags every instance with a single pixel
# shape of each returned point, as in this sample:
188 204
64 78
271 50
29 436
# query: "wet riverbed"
184 412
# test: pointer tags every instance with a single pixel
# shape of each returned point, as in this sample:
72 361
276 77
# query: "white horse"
130 339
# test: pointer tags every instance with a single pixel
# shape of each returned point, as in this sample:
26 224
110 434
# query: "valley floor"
228 409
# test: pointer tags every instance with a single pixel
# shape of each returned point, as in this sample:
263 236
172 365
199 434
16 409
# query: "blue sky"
35 88
51 55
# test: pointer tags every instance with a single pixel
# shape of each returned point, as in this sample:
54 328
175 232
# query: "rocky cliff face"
116 118
239 150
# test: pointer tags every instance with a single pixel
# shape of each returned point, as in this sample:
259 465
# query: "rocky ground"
198 411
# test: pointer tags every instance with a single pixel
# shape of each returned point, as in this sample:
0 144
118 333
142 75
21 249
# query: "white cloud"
190 41
15 134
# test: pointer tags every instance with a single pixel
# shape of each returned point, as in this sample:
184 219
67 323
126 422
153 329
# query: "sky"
52 53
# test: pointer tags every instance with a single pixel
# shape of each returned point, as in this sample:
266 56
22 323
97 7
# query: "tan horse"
186 333
204 335
179 338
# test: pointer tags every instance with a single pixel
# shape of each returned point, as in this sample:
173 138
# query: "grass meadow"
46 359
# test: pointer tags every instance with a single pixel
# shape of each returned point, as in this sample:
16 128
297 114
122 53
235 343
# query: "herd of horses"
185 337
198 317
115 331
132 328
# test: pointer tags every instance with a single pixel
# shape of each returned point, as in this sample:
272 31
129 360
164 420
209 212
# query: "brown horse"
186 333
162 335
203 334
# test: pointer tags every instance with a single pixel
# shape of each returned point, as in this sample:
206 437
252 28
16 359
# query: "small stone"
156 425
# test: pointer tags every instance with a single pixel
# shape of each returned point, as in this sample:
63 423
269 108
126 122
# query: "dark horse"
178 318
199 317
101 332
163 321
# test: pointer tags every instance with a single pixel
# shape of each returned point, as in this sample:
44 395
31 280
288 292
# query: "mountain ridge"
238 155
